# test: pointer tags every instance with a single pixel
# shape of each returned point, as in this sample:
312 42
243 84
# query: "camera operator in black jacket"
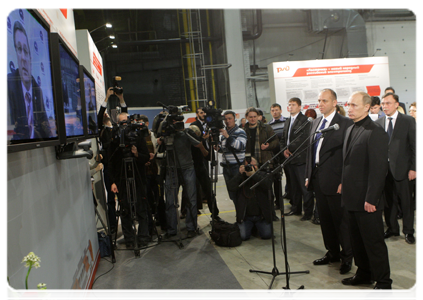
135 147
253 207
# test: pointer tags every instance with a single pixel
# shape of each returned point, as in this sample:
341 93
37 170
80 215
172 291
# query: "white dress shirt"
328 121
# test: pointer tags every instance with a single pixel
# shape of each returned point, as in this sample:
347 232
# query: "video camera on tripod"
169 121
127 131
214 118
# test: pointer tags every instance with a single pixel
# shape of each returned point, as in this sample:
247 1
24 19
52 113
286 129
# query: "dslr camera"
118 90
249 167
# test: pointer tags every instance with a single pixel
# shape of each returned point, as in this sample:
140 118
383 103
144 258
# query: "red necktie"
28 111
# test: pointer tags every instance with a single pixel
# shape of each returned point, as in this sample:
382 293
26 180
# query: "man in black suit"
402 167
296 166
26 102
365 154
324 175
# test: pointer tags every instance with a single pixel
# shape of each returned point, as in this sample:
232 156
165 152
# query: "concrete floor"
304 244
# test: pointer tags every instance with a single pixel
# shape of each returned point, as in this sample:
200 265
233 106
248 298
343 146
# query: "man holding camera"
180 160
253 207
232 145
106 131
133 202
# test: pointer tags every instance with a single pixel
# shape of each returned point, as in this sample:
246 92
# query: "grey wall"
397 40
50 212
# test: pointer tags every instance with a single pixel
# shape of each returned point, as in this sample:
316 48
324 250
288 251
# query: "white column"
235 54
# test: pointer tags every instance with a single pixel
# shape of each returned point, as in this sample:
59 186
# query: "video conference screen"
91 104
71 93
31 112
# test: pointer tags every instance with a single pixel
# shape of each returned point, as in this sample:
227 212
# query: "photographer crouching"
128 155
252 207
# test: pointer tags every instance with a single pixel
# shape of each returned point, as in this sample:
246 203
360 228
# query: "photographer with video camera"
253 208
128 156
168 126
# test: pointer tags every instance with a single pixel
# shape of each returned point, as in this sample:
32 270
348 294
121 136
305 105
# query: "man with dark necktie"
324 175
402 167
296 166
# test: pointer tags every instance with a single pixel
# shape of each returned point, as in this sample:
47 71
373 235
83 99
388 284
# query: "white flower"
31 260
42 286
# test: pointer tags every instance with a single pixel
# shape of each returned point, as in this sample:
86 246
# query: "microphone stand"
275 272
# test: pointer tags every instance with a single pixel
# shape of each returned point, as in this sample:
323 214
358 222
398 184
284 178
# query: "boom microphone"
333 127
303 125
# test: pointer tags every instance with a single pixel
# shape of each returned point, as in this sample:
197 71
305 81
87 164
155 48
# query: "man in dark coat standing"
294 136
365 166
324 175
402 167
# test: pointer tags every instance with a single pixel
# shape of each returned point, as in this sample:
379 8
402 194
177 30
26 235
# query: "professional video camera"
214 117
129 130
170 121
116 88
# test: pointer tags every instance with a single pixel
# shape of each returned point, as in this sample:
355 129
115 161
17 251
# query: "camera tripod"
173 187
130 170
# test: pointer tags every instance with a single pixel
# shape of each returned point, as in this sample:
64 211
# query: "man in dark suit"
365 154
296 166
402 167
324 175
26 102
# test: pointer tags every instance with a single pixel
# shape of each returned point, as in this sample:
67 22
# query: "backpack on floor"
225 234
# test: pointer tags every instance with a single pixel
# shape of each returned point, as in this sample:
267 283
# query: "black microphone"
304 125
333 127
269 139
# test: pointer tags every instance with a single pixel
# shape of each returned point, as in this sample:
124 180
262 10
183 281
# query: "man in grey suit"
365 164
323 176
402 167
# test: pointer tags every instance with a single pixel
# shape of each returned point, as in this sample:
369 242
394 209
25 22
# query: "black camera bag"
225 234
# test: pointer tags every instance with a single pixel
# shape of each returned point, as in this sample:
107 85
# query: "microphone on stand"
333 127
303 125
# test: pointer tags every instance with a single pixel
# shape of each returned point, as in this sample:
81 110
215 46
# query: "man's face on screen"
24 56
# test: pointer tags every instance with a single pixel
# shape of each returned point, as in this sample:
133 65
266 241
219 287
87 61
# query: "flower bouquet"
31 260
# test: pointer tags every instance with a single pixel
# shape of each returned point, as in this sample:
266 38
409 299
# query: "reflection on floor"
304 244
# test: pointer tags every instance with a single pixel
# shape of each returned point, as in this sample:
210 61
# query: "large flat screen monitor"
89 99
69 104
69 68
31 110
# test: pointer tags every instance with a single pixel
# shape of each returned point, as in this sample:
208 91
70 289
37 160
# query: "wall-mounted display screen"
90 103
71 93
31 115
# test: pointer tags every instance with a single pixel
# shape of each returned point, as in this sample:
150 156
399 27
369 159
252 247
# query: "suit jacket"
18 109
365 166
294 145
402 146
330 155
